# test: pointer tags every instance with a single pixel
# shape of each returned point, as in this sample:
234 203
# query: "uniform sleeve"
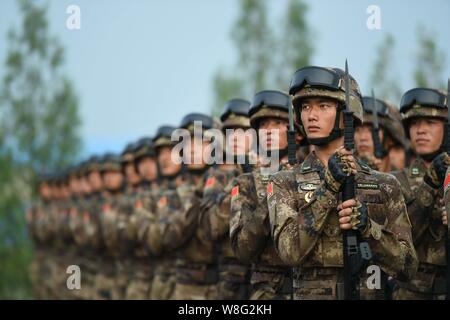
249 220
420 203
391 242
182 223
296 227
215 220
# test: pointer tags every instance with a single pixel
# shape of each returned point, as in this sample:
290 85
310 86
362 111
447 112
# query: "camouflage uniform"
425 207
424 199
303 204
306 232
39 268
90 258
142 267
150 233
196 271
215 220
152 211
106 284
251 240
196 268
249 224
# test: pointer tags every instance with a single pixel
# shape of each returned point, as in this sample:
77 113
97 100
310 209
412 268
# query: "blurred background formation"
66 94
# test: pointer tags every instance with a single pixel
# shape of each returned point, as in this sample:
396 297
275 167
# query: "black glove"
359 217
212 199
436 173
336 173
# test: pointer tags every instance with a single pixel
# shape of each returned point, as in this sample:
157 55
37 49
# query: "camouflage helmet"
236 114
144 148
207 122
423 102
269 104
93 164
83 169
163 137
110 162
313 81
127 154
389 118
73 171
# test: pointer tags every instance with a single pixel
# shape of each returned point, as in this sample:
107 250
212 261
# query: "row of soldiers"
145 225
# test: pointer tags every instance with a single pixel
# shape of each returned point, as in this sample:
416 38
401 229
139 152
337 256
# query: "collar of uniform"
311 163
361 166
417 168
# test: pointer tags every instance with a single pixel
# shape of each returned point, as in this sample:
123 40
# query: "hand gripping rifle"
356 252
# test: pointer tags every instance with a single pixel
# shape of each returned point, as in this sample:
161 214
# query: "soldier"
249 223
152 222
81 220
215 205
392 136
113 182
196 271
35 221
306 213
424 115
144 163
94 249
63 251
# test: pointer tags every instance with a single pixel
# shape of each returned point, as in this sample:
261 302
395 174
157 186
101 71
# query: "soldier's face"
112 180
86 186
397 157
95 180
74 185
147 168
44 190
273 133
55 194
318 116
133 177
167 165
65 191
198 150
364 141
426 135
239 141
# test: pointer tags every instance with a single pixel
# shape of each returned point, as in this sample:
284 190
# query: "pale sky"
139 64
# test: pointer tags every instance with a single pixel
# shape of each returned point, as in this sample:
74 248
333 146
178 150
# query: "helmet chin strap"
430 156
335 133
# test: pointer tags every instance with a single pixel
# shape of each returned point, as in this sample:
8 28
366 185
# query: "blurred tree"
295 43
253 38
225 87
430 61
382 78
259 66
39 124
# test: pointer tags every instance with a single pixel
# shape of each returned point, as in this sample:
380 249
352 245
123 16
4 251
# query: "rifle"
292 146
356 252
447 234
378 148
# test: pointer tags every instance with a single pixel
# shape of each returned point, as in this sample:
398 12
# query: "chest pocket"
376 205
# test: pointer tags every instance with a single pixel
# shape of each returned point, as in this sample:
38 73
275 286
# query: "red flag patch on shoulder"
210 182
447 181
235 191
106 207
269 189
138 204
162 202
